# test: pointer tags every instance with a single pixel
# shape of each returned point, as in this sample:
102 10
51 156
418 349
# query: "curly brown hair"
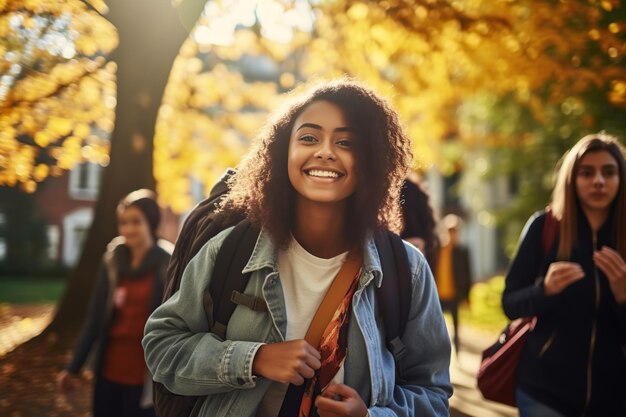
261 189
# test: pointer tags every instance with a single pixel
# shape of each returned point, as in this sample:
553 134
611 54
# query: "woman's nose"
598 179
325 152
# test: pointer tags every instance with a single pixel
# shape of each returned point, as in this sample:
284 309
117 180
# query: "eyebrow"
608 165
318 127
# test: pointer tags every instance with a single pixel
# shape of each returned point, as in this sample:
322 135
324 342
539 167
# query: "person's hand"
340 400
560 275
66 382
611 263
292 361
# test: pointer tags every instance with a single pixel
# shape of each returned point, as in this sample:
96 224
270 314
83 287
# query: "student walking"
129 287
325 174
574 361
453 273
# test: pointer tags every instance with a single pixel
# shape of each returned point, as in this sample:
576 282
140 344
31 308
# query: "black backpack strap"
394 295
228 282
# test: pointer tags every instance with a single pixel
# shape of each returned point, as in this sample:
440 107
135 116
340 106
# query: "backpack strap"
549 232
394 295
228 282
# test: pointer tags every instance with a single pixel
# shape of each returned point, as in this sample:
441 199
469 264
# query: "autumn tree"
75 72
452 68
445 65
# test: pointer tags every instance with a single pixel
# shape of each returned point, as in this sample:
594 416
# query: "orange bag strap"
335 294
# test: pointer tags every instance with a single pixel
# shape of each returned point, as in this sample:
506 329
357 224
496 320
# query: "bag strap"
549 231
394 294
324 314
335 294
228 282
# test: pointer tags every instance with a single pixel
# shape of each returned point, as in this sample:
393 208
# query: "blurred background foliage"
509 83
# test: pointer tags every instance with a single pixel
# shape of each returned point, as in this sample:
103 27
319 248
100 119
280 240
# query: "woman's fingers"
340 400
612 264
291 361
560 275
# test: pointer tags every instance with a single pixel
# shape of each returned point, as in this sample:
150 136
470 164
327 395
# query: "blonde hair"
564 199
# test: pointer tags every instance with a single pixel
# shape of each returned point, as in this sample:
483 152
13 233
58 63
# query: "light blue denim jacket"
184 356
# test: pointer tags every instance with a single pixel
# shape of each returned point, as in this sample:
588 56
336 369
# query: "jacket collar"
371 263
265 255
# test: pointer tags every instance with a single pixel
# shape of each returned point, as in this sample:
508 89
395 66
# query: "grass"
31 290
485 308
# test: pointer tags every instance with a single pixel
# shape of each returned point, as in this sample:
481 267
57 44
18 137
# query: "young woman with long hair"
574 361
323 176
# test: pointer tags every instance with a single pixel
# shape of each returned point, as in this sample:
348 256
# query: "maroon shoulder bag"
498 367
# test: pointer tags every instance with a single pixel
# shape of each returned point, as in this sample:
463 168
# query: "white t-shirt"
305 280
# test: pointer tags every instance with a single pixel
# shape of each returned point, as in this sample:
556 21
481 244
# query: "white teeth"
323 174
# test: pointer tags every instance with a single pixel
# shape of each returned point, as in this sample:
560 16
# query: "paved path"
467 400
19 323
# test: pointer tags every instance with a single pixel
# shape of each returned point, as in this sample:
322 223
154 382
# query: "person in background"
418 219
129 287
453 272
574 360
323 176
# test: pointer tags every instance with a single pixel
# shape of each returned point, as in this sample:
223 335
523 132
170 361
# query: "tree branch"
62 86
91 7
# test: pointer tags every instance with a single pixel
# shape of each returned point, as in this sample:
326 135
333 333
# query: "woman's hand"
560 275
66 382
340 400
292 361
611 263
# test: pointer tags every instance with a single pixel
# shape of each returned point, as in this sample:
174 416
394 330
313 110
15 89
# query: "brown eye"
346 143
307 138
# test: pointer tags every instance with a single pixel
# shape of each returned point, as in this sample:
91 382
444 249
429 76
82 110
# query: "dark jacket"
575 359
461 269
116 263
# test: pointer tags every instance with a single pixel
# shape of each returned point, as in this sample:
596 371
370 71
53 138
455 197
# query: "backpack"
227 286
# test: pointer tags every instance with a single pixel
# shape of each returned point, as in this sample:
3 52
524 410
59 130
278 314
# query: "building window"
75 227
85 181
3 242
3 249
54 238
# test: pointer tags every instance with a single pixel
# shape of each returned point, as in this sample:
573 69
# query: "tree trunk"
151 33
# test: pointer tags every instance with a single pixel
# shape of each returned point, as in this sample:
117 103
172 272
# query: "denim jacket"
184 356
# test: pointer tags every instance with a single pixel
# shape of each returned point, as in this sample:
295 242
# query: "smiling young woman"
574 361
324 175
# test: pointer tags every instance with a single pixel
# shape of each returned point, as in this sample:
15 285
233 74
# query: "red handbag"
496 375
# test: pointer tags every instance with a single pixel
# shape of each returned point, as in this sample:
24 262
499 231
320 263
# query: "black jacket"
116 263
461 269
563 364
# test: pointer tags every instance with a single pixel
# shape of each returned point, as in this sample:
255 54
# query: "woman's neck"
596 218
138 253
321 229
